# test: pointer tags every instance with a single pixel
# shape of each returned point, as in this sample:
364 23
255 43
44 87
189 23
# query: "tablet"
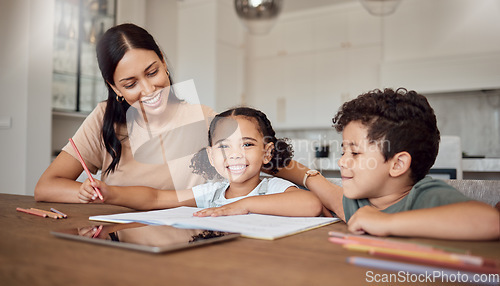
142 237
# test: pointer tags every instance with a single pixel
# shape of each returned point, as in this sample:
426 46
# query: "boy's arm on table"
470 220
292 202
329 193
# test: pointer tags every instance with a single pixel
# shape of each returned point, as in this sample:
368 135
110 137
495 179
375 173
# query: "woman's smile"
153 101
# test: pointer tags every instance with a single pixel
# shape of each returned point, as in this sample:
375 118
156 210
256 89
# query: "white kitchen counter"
468 165
481 165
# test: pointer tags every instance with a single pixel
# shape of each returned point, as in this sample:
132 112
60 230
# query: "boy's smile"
363 167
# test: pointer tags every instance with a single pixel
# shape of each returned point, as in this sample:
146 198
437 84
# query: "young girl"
241 143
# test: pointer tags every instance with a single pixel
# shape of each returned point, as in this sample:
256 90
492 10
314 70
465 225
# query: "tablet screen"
150 238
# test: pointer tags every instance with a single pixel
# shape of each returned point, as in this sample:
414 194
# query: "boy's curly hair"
281 155
400 120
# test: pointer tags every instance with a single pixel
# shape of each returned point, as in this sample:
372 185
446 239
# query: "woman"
143 135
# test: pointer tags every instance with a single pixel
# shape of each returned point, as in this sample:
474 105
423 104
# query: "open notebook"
250 225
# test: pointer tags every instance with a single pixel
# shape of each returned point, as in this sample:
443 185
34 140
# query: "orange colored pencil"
411 253
33 212
383 243
49 214
380 242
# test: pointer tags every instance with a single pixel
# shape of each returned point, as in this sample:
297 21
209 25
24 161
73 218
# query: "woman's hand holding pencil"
98 192
87 193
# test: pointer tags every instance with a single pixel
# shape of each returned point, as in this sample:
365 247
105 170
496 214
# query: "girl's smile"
239 151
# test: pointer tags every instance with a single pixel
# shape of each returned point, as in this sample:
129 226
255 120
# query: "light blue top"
213 194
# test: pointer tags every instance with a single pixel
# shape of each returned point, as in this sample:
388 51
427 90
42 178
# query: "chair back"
487 191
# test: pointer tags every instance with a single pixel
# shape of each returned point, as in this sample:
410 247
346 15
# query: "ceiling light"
380 7
259 16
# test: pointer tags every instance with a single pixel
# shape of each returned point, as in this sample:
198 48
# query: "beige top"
159 159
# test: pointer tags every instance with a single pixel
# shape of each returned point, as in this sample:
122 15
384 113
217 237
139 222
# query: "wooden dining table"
31 255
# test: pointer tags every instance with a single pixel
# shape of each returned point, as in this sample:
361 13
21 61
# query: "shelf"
68 113
77 82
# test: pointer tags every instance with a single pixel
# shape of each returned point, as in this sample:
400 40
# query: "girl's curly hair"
281 154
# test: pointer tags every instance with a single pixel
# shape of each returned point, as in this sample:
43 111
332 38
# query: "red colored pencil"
85 168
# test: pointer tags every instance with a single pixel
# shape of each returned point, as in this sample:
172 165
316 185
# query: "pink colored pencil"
85 167
97 232
33 212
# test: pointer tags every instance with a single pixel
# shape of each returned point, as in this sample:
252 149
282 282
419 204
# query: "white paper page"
256 225
251 225
159 217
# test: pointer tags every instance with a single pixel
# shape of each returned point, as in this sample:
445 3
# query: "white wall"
131 11
161 22
197 47
26 29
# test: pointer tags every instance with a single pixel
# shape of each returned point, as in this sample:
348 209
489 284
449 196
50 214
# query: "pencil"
85 168
59 212
365 238
411 268
424 260
411 253
383 243
98 231
49 214
437 255
33 212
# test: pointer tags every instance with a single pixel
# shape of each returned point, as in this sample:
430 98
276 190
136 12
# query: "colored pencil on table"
410 268
49 214
59 212
85 168
423 260
416 252
33 212
383 243
410 253
435 256
364 238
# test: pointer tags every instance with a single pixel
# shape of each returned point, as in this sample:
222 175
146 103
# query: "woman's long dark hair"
110 50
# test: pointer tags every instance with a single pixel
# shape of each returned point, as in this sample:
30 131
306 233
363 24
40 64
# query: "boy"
390 141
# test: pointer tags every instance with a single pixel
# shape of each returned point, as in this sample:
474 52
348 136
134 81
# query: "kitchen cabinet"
77 85
312 62
441 46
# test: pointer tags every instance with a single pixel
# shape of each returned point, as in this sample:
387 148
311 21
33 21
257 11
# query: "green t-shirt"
426 193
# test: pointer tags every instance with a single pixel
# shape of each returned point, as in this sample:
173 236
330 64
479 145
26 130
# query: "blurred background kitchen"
315 55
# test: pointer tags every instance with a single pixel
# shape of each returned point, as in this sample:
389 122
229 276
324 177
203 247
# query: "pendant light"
258 16
380 7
